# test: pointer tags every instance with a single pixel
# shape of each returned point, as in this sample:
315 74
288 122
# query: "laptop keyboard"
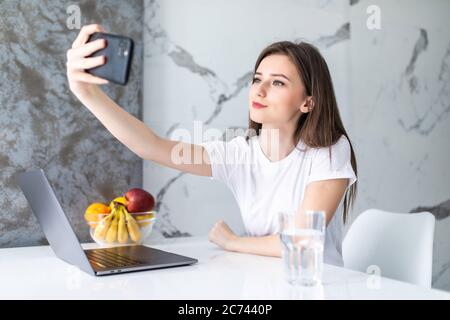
109 260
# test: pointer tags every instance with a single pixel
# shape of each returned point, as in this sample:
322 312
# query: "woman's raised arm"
129 130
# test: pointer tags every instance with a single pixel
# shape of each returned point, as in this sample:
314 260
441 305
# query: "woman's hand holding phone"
82 83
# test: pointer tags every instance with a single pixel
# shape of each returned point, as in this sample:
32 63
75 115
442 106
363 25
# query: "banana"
133 227
102 227
111 235
122 231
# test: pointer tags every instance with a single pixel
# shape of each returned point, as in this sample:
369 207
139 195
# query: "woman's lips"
257 105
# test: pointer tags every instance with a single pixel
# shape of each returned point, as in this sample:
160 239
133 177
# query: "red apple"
139 200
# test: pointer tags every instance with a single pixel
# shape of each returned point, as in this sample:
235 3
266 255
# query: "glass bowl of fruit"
115 225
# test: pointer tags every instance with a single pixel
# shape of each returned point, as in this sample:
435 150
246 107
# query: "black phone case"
118 53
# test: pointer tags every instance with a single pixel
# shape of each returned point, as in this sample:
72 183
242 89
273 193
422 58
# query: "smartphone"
118 53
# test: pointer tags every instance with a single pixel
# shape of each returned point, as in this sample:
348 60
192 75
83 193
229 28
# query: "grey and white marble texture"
43 125
440 211
400 111
441 265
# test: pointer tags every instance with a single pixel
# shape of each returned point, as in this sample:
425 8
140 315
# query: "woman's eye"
276 82
280 83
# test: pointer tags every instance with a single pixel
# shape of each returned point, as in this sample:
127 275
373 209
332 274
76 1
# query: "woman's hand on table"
222 235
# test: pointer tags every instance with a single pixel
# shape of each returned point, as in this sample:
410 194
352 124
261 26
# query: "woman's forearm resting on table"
222 235
264 246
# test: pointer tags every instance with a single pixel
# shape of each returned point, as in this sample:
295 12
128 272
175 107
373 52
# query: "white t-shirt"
263 188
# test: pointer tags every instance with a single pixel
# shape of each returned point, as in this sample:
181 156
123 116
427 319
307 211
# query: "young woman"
310 165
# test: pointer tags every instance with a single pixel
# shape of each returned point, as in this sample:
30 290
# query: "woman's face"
278 87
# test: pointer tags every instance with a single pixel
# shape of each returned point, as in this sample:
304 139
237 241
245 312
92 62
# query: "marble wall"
392 87
43 125
400 103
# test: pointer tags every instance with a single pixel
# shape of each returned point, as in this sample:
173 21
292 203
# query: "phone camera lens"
123 49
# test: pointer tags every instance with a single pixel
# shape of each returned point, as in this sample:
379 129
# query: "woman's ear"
308 105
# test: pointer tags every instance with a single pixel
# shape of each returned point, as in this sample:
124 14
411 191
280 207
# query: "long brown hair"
321 127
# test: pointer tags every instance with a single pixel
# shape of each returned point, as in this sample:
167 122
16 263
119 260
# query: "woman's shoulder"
339 151
341 145
240 143
233 146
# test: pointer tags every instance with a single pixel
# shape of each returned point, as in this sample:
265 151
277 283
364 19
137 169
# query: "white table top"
36 273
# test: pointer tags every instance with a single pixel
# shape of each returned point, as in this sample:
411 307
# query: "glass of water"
303 237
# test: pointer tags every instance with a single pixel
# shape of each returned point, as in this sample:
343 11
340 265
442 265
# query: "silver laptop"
66 245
